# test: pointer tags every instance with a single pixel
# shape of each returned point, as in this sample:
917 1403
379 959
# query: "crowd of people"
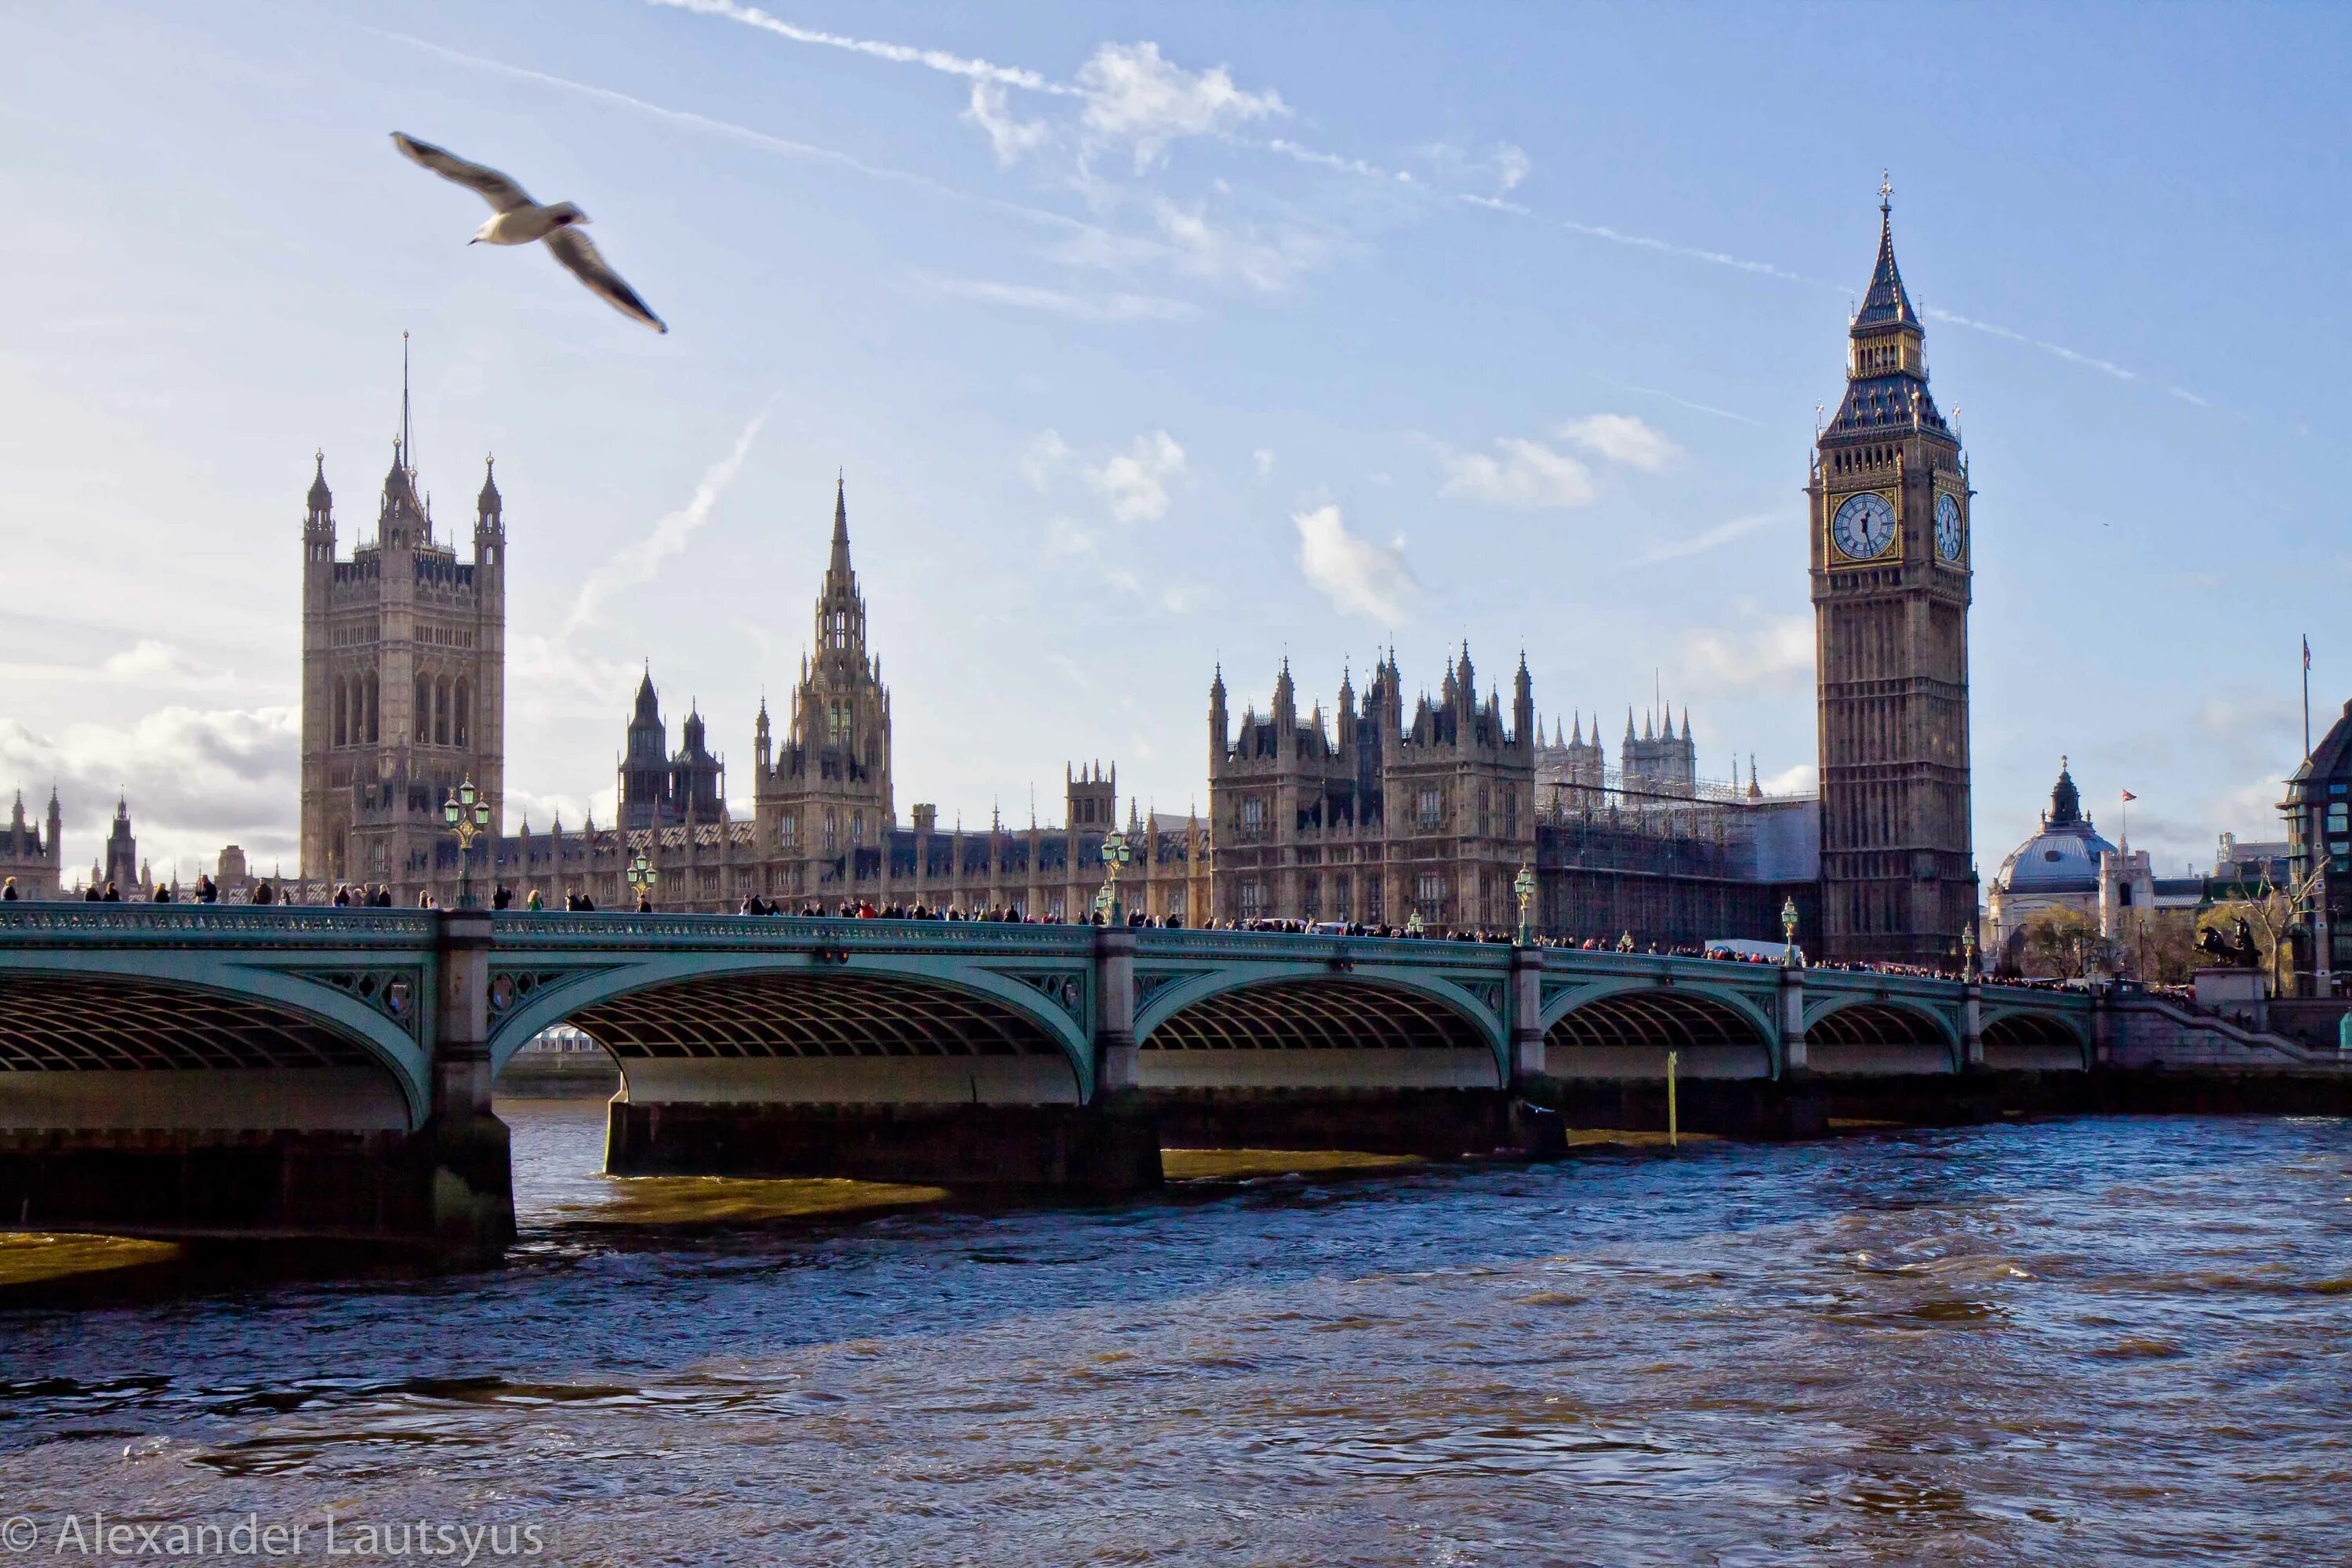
379 897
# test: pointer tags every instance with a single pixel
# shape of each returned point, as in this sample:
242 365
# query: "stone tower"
823 800
403 678
1891 552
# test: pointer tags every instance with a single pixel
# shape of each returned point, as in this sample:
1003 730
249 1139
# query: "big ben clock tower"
1892 544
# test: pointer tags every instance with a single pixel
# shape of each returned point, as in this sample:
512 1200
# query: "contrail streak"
898 54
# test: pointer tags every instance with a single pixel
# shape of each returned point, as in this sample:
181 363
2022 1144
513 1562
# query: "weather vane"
1885 189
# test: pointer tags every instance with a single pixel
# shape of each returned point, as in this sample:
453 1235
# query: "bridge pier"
471 1201
1791 1020
1526 1014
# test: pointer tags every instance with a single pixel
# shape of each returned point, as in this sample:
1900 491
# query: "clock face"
1947 527
1863 527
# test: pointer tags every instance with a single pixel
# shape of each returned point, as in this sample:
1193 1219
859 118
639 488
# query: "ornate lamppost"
469 816
1524 885
641 876
1968 950
1789 931
1114 853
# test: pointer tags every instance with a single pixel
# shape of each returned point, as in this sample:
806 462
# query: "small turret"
321 500
1220 734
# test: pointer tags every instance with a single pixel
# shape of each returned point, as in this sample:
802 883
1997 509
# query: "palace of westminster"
1386 808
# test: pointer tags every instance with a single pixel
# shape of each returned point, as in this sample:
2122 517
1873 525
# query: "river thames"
2076 1341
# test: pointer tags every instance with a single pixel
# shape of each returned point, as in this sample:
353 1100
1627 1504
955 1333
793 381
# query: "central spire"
407 437
839 566
840 610
1886 304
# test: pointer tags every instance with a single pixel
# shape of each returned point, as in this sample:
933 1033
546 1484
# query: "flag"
2306 651
2128 796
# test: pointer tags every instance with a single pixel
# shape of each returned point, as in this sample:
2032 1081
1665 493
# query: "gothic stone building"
1891 543
825 828
1375 821
404 680
32 855
1386 820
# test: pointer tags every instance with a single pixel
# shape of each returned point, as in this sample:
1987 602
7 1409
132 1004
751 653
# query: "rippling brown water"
2090 1342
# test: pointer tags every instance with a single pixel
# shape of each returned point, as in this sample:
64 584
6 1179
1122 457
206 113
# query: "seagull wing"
493 188
576 252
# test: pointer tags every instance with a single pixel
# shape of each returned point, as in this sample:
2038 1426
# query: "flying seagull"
520 220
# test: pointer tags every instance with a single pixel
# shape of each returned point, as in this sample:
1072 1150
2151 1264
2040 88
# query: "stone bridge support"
1790 1017
472 1198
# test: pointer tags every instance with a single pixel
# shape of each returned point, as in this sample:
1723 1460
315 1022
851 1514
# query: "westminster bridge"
194 1069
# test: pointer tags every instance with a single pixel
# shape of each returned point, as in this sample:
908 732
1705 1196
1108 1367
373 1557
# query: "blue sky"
1153 336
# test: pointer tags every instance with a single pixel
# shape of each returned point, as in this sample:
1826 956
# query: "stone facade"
2318 811
1891 547
823 829
1382 820
404 679
1373 820
33 857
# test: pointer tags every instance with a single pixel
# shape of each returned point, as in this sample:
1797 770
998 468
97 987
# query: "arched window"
440 712
424 711
342 734
370 708
457 724
857 827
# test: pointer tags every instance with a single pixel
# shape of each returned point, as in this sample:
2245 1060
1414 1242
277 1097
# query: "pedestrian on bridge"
8 892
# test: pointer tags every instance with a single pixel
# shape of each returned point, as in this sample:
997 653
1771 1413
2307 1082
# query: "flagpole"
2306 696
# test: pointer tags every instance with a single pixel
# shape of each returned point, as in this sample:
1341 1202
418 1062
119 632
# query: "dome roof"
2064 858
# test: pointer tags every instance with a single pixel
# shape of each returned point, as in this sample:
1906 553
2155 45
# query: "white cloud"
1065 539
157 666
1528 474
1009 137
1263 458
1620 438
1778 655
1075 306
1803 779
1181 598
1511 165
152 663
1135 482
1135 96
1358 576
195 780
1220 253
640 563
1044 458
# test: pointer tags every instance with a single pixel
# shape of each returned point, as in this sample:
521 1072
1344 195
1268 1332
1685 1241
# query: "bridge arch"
1312 1024
784 1026
1624 1029
175 1040
1879 1035
2027 1038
